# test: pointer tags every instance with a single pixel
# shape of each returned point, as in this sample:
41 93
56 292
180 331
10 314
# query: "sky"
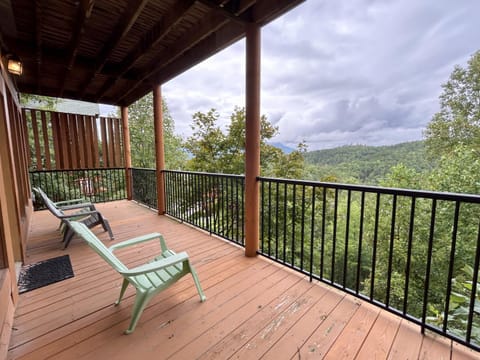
340 72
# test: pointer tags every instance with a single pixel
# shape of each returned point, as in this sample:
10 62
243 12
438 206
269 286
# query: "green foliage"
458 121
216 152
43 103
206 143
460 303
209 201
457 171
368 242
103 185
460 299
401 176
142 136
289 166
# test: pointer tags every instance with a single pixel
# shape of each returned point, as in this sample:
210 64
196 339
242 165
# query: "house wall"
15 203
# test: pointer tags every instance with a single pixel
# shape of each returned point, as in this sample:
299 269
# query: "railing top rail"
142 168
471 198
76 169
204 173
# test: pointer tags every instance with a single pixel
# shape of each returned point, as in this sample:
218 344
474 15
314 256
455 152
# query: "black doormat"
46 272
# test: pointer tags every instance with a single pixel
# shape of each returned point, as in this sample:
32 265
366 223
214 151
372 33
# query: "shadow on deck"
254 309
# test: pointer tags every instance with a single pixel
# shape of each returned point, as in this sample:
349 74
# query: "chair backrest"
84 232
48 203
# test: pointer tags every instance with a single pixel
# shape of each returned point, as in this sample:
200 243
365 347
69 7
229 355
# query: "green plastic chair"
148 279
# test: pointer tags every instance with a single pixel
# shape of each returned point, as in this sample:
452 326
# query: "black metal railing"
414 253
144 186
213 202
96 185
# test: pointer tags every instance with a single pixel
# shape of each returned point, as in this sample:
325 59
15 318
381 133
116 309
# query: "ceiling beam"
84 11
265 11
225 36
209 25
149 41
3 47
8 27
245 4
38 41
54 56
156 73
230 10
132 11
52 91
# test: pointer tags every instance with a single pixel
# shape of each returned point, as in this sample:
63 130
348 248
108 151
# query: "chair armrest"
73 201
140 239
78 214
156 265
78 206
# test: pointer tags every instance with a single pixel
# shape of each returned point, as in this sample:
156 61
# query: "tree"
214 151
458 121
235 143
42 103
458 172
142 136
291 166
206 143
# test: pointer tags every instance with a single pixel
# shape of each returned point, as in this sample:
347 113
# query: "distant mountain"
286 149
369 164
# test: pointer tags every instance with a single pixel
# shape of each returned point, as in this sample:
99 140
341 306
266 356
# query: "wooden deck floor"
254 309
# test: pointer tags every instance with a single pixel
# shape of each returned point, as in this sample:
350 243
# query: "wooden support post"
252 141
126 151
12 242
159 147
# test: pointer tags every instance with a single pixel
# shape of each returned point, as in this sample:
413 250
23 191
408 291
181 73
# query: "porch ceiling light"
14 66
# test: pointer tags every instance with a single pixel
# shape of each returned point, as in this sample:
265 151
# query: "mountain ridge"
368 164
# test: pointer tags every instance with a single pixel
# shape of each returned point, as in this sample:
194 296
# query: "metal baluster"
409 255
429 263
391 249
450 267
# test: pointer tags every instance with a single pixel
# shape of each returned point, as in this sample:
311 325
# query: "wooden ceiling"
114 51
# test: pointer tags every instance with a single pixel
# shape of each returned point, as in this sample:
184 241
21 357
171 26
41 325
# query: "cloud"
341 72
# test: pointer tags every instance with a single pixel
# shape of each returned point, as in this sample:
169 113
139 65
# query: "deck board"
291 342
351 339
254 309
379 341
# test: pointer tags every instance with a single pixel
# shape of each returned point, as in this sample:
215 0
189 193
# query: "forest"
368 165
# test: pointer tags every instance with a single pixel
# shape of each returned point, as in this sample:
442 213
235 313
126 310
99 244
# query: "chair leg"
141 300
67 236
122 291
197 283
106 227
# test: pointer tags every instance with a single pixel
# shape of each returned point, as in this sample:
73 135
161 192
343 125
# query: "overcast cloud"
341 72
